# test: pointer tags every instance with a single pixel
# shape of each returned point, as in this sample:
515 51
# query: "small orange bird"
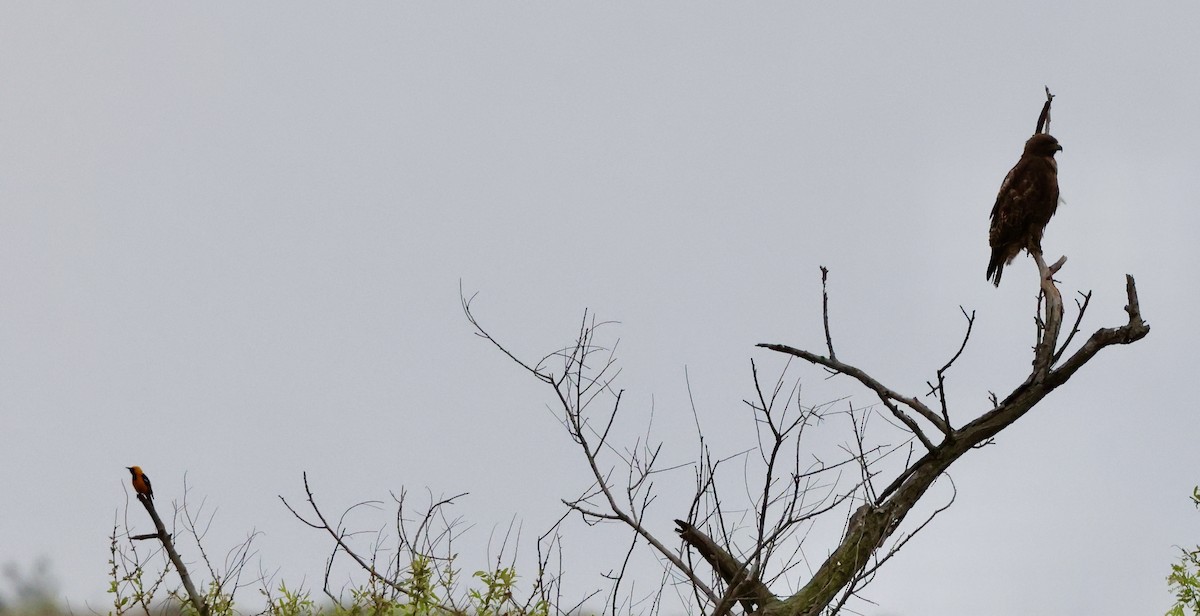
141 483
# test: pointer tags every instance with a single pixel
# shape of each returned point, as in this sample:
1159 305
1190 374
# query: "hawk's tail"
995 267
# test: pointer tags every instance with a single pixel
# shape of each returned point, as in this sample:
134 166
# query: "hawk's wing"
1027 199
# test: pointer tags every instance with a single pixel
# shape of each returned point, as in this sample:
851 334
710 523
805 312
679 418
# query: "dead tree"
743 562
880 518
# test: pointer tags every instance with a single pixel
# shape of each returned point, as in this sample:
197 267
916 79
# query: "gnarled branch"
873 524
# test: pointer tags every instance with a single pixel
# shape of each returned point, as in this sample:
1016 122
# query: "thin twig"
1081 308
825 312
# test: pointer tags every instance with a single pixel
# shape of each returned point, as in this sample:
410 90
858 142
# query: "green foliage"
497 590
1184 580
128 582
428 589
424 593
421 588
412 581
219 602
290 603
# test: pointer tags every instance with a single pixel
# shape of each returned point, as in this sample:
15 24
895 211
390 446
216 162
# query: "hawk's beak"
1059 149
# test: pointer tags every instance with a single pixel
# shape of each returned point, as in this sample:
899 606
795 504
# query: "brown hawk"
1027 200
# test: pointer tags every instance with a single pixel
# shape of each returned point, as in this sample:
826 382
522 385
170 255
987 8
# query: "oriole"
141 483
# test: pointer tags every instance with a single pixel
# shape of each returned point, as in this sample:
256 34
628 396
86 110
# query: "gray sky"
231 240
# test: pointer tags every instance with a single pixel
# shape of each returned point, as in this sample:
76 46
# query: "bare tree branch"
339 537
873 523
1081 309
940 388
575 389
825 312
781 505
197 600
1043 124
886 395
742 587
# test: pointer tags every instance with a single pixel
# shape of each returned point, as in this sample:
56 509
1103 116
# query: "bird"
1027 199
141 483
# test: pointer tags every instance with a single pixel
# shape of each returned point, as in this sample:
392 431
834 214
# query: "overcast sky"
232 237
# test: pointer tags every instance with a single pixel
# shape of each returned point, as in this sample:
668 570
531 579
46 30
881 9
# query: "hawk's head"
1042 144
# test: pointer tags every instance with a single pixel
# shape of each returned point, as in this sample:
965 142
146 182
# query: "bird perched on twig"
1027 199
141 483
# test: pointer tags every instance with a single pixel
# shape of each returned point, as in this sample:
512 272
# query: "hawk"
1027 200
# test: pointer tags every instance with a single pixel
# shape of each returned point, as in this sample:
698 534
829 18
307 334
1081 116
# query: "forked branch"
744 585
197 600
583 378
780 506
873 523
339 540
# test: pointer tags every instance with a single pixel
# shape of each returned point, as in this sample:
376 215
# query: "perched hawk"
1027 200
